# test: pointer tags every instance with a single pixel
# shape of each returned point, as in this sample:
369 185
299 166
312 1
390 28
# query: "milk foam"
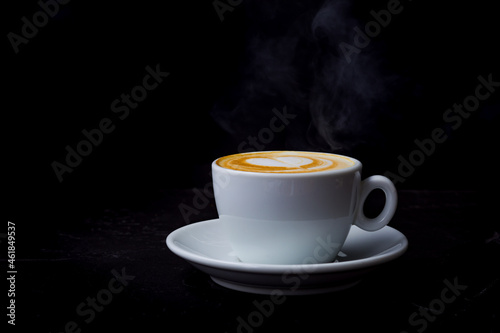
284 162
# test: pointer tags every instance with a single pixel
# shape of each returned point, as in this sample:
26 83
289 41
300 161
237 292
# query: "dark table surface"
63 271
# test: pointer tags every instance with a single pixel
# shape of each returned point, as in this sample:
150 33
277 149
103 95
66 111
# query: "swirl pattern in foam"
284 162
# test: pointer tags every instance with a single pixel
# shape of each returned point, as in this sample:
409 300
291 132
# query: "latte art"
284 162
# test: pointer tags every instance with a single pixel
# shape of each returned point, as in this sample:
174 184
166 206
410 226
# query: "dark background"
225 79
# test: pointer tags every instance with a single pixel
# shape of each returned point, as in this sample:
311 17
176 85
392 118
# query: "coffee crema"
284 162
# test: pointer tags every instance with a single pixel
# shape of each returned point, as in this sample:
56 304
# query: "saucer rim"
386 255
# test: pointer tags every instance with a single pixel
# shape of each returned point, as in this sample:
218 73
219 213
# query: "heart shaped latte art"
284 162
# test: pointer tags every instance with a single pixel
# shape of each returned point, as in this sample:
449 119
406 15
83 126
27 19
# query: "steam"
293 59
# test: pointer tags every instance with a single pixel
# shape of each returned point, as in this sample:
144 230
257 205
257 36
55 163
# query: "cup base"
286 242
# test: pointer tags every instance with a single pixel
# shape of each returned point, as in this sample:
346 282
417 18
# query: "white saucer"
203 245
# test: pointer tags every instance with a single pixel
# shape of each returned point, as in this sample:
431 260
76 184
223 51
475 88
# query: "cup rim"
355 167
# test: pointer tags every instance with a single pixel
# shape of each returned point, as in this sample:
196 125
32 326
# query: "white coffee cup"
287 207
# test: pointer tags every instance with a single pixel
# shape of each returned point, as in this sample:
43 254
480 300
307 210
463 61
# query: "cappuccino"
284 162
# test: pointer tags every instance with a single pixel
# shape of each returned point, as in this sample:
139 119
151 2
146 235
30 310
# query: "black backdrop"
228 71
225 77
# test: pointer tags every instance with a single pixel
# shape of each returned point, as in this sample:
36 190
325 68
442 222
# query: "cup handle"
391 201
